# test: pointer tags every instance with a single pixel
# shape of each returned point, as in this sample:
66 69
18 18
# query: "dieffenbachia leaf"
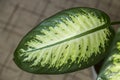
111 68
70 40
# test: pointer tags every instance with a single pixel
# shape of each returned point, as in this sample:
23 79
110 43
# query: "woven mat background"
17 17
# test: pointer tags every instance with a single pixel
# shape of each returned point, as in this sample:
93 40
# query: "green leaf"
111 68
70 40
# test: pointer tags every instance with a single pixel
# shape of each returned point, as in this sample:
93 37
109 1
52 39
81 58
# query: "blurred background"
17 17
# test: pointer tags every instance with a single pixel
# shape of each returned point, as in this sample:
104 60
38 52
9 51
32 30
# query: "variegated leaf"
70 40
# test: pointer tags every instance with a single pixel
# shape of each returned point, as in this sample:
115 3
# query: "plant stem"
116 22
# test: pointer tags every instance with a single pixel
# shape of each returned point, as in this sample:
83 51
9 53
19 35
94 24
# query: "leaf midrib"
74 37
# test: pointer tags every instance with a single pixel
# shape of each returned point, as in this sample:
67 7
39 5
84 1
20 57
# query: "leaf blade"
50 44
